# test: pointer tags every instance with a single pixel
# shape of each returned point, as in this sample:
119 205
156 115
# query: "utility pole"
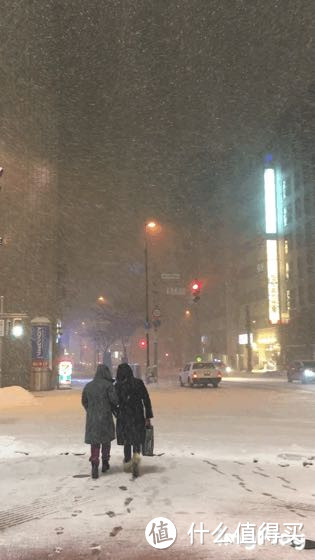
146 266
249 342
1 334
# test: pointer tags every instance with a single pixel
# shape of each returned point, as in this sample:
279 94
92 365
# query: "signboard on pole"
171 276
65 373
175 291
40 346
156 312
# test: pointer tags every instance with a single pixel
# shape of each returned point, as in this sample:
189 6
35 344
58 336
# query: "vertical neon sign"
270 201
272 246
273 282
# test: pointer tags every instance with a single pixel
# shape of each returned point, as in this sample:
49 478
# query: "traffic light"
142 343
195 290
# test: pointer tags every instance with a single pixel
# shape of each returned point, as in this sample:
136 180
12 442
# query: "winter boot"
105 465
135 464
127 466
94 470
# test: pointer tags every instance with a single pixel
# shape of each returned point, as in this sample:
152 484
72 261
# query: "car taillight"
219 374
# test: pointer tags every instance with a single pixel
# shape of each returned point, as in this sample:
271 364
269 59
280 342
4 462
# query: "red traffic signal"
142 343
196 289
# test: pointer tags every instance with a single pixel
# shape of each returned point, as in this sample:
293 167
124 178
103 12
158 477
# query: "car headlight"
309 373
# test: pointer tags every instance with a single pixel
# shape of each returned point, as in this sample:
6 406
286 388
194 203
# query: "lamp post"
150 226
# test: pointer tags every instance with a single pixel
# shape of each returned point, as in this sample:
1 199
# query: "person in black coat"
134 414
100 401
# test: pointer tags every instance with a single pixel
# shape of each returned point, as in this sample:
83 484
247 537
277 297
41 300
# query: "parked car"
200 373
301 370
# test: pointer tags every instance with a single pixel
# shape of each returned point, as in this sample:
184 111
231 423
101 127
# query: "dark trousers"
95 453
127 451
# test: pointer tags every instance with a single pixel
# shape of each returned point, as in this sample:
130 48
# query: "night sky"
153 99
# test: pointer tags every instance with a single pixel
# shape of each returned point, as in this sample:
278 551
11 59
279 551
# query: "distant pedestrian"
134 414
100 400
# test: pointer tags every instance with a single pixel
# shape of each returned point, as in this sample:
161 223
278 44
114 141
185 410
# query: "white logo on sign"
160 533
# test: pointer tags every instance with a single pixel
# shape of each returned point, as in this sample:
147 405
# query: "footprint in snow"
284 479
76 512
238 477
115 531
123 488
128 501
22 452
289 487
111 513
261 474
81 476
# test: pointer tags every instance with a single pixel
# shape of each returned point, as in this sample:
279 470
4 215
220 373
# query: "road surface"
244 452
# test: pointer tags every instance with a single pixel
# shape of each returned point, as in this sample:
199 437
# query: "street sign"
171 276
176 291
156 312
1 327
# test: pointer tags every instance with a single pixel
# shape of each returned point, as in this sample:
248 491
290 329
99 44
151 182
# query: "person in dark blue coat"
134 414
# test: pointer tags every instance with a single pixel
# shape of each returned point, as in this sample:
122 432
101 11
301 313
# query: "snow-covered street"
242 453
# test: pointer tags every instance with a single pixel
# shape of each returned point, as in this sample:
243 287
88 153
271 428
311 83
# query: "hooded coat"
134 407
99 400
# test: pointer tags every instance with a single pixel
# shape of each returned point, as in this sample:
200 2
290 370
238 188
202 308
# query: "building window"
286 247
287 271
288 300
301 296
285 217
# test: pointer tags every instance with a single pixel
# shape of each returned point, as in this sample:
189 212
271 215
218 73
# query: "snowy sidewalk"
209 468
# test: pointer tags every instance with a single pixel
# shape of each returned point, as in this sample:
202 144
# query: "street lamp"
101 299
150 227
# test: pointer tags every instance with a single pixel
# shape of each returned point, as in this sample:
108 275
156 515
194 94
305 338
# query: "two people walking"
129 401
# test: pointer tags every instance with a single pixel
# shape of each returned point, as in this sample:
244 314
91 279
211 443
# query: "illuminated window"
286 246
288 300
285 217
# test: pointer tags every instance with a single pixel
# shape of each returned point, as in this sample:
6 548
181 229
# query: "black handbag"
148 442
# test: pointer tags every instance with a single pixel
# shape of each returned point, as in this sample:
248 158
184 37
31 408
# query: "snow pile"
15 396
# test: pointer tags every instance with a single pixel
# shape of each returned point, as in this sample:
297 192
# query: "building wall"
289 330
29 185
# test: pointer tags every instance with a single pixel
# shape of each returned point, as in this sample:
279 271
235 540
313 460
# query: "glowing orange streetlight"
101 299
187 313
151 225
